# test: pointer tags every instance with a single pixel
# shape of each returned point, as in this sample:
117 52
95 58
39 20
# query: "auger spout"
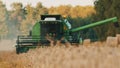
110 20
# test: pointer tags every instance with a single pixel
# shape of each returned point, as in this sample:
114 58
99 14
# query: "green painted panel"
36 30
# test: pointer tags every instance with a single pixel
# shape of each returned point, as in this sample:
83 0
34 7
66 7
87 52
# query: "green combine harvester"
56 27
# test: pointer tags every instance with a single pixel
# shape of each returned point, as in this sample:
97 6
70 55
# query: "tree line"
20 19
107 9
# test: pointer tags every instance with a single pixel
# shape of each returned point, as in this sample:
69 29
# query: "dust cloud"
7 45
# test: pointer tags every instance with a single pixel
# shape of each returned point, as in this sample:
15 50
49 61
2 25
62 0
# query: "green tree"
107 9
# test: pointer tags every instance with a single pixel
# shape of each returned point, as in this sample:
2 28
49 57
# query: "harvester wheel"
17 50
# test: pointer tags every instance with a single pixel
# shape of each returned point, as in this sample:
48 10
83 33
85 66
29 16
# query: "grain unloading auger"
56 28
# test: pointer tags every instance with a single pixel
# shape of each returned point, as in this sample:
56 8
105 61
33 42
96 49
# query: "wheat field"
89 55
94 55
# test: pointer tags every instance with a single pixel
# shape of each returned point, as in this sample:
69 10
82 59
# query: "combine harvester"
55 27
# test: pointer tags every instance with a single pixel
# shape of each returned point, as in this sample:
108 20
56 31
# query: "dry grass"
11 60
96 55
88 55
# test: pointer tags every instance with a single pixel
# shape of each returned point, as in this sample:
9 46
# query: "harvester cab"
53 27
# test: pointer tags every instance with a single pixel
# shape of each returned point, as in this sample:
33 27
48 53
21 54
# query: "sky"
49 3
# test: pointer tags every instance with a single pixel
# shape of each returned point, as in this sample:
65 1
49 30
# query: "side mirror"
116 24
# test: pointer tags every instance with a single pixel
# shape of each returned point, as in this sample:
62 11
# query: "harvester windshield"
51 25
52 28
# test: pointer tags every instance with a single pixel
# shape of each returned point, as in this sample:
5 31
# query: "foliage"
19 20
74 12
3 17
106 9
